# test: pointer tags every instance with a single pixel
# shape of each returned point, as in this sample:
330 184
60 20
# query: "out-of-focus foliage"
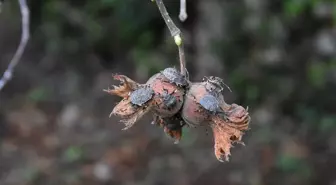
278 57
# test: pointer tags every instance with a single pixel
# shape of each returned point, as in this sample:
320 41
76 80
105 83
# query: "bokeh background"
277 56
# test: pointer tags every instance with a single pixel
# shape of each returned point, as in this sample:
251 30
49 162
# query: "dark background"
277 56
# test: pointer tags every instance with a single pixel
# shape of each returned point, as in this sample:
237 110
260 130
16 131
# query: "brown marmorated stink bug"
175 76
142 95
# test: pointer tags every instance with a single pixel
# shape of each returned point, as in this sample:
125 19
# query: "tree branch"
24 40
175 33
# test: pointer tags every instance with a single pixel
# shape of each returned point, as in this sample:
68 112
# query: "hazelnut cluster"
176 102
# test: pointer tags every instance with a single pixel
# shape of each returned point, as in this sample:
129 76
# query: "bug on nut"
158 95
174 101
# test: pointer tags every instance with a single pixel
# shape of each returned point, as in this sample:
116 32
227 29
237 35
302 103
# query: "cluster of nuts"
176 102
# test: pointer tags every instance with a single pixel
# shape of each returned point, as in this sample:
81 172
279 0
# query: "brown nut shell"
164 89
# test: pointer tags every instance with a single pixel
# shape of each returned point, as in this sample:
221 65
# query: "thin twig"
183 66
183 10
174 30
175 33
24 40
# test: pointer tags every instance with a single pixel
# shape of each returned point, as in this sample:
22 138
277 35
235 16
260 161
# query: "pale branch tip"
175 33
183 10
23 42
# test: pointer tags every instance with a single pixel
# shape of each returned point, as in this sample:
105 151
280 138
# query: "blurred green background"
278 57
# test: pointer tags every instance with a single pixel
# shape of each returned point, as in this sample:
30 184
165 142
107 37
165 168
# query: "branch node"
175 33
178 40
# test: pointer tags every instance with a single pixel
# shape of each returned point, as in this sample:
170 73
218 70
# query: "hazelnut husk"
174 106
227 125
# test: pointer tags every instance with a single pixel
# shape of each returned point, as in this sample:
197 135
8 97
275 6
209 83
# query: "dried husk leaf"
175 134
129 113
130 121
124 109
227 132
238 117
126 87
